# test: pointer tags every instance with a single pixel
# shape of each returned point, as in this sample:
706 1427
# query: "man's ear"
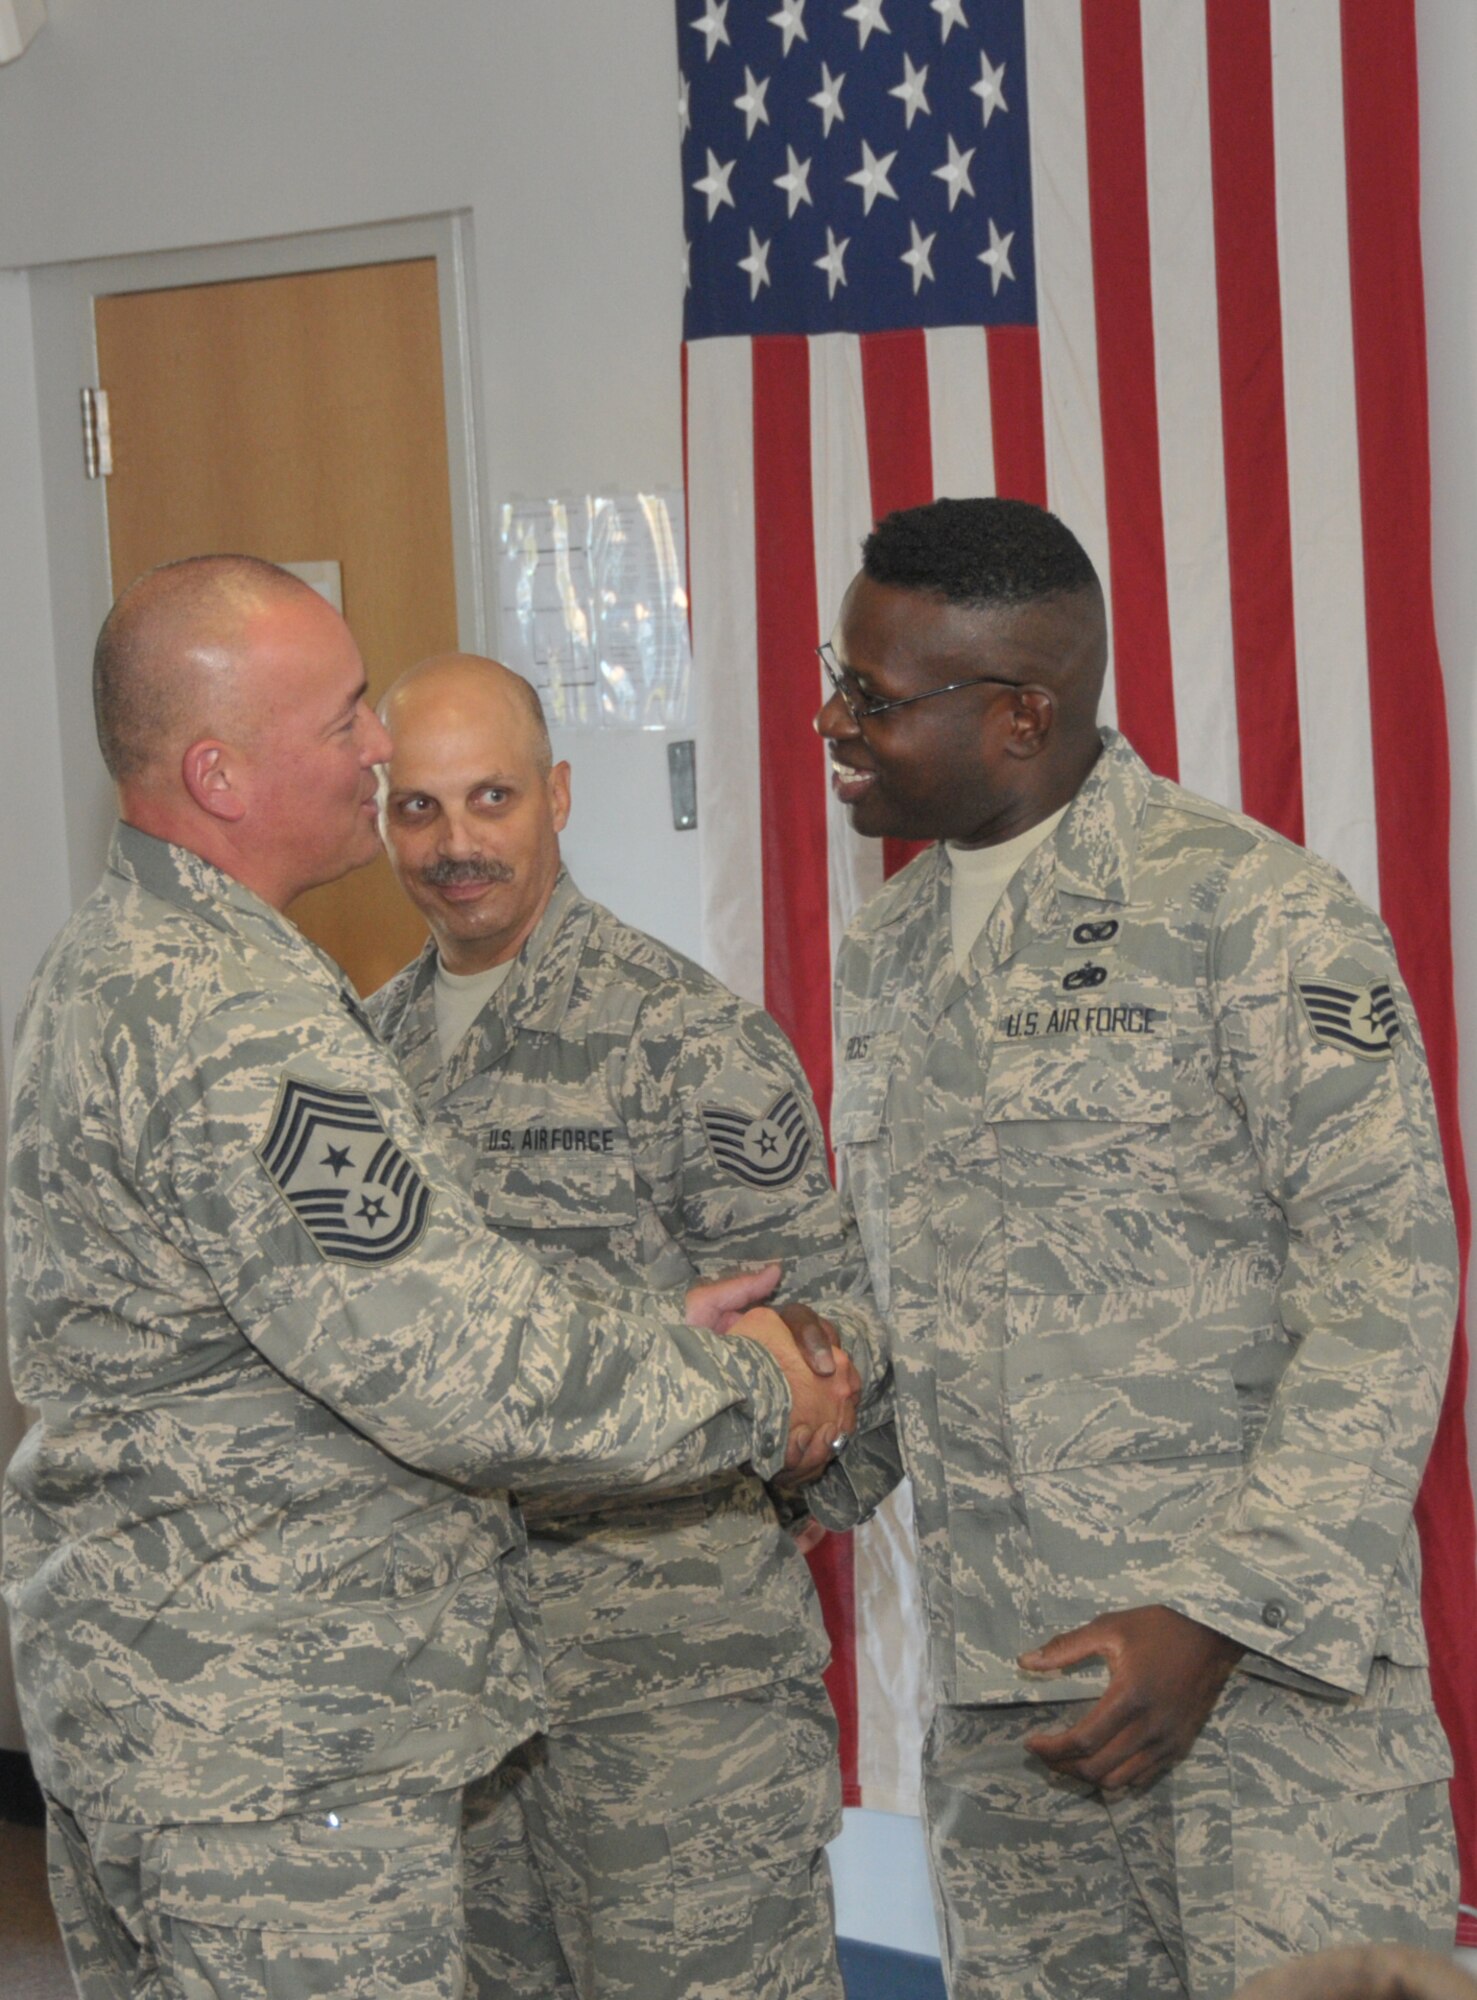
1032 713
559 796
208 773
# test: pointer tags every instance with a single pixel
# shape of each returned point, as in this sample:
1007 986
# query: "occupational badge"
764 1152
342 1175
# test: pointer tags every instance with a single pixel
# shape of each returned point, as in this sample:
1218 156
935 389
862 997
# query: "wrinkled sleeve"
451 1349
718 1094
1320 1051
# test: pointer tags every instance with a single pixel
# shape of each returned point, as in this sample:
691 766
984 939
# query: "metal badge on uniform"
347 1182
764 1152
1360 1018
1085 975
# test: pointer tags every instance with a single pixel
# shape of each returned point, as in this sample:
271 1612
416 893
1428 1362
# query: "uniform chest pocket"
563 1190
1085 1146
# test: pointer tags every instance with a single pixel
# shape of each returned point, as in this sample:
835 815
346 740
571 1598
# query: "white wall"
165 123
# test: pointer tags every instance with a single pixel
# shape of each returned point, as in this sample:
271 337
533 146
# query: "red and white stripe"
1226 400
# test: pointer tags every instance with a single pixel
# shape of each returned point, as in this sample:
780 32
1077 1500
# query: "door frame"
64 325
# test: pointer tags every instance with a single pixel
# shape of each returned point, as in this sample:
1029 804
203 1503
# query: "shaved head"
162 668
472 805
469 680
232 714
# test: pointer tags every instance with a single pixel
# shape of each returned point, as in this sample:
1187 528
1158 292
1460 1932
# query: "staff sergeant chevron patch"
348 1183
764 1152
1360 1018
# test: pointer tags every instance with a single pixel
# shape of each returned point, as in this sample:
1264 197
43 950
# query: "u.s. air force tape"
342 1175
764 1152
1362 1019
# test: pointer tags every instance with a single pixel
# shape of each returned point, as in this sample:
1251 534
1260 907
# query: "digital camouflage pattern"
635 1123
684 1851
252 1562
587 1091
1170 1270
1291 1825
347 1905
1152 1198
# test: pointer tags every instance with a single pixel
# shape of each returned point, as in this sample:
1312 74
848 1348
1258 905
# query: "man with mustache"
632 1122
266 1604
1133 1114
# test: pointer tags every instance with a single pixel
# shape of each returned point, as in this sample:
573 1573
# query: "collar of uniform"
1095 843
538 995
1090 855
185 879
410 1026
928 944
535 996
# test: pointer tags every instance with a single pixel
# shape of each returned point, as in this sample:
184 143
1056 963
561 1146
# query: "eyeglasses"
862 708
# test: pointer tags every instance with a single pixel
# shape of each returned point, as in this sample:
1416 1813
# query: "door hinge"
97 434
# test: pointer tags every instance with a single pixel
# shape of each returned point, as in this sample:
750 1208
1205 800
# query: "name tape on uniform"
550 1139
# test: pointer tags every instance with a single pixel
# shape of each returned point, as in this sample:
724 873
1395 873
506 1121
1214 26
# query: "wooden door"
302 419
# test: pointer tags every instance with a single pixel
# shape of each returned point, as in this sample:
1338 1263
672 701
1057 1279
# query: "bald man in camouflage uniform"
267 1615
634 1122
1132 1110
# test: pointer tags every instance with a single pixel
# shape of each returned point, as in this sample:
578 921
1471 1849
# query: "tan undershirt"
460 998
979 876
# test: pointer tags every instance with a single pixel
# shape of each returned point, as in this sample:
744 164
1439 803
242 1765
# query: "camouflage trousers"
676 1855
1293 1824
360 1904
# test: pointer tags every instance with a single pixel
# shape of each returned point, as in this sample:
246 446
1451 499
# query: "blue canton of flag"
854 168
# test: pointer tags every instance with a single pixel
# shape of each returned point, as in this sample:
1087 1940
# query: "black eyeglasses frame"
861 710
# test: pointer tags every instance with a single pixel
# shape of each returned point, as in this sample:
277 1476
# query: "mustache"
446 874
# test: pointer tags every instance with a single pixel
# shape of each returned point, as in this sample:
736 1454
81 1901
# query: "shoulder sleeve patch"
1362 1019
342 1175
763 1152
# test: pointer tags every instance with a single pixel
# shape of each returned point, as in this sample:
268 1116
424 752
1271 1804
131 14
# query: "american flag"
1154 264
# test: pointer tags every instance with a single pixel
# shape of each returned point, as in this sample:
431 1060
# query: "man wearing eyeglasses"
1132 1111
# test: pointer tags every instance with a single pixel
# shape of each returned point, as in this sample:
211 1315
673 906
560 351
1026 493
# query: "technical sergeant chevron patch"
763 1152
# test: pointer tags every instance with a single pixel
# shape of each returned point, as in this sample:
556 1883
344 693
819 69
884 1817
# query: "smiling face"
303 743
472 810
976 765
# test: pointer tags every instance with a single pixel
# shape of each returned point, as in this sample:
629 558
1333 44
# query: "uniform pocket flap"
551 1177
1066 1078
1143 1418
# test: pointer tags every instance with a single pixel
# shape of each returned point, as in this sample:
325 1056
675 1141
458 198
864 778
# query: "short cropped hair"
538 723
138 694
978 553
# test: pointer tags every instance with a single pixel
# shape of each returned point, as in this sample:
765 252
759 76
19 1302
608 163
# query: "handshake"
824 1386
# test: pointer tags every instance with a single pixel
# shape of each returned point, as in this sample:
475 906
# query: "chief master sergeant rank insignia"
348 1183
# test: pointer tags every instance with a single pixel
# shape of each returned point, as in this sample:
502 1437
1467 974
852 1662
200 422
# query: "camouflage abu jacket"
635 1123
277 1356
1153 1201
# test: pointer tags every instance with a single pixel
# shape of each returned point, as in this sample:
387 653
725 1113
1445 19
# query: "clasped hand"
825 1388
